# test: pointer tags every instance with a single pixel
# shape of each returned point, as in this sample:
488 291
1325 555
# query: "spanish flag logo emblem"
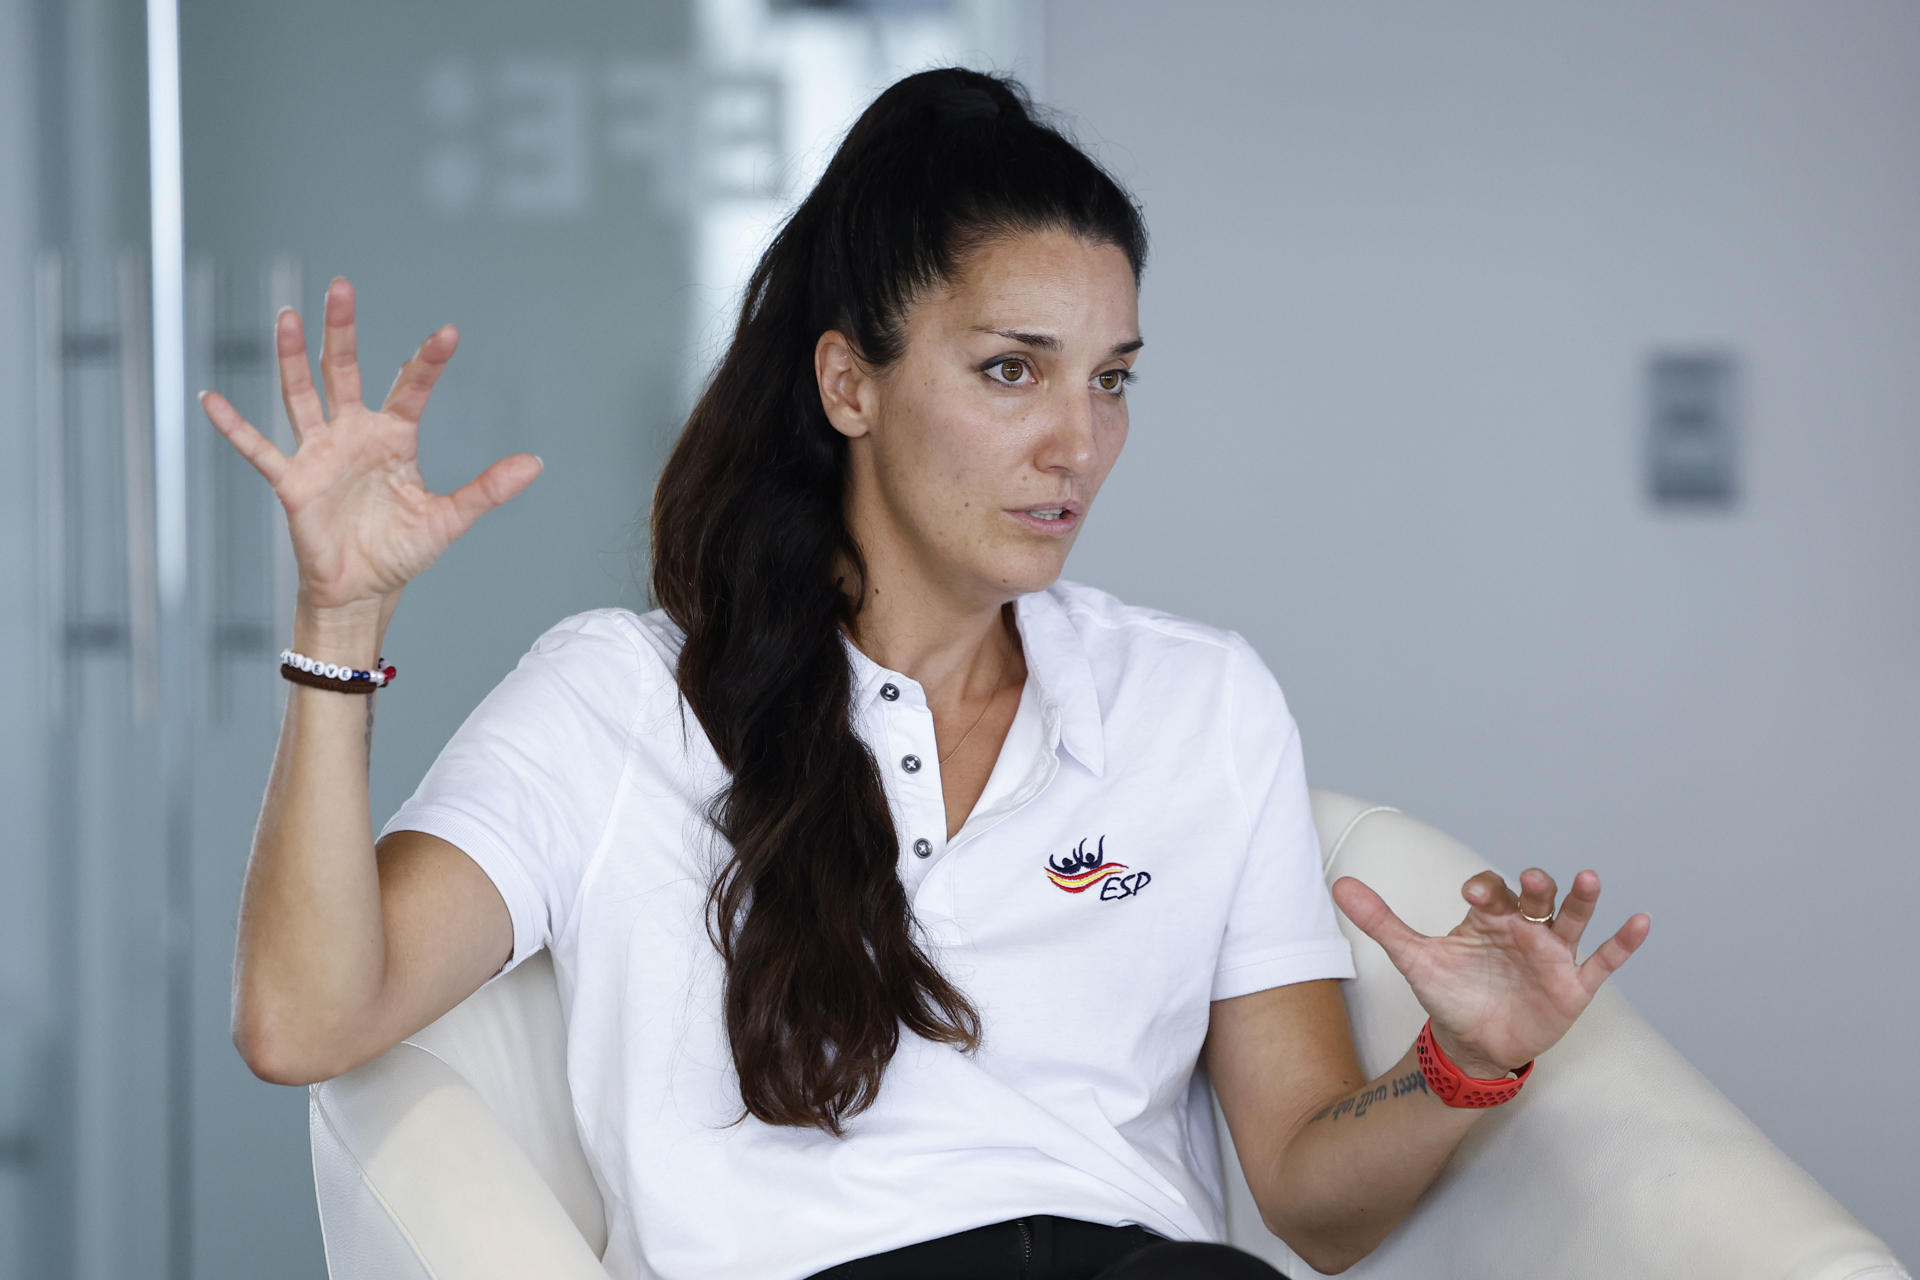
1079 871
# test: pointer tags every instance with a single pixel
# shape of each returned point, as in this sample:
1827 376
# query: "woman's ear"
848 391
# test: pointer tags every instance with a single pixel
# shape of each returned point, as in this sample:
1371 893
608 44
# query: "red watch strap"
1455 1087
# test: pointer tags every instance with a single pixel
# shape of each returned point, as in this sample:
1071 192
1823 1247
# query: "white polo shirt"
1143 846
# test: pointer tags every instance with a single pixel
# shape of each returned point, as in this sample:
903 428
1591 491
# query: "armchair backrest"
456 1153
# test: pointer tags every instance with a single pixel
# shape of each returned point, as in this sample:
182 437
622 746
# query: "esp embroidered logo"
1079 871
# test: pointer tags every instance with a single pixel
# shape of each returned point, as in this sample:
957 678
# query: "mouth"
1057 517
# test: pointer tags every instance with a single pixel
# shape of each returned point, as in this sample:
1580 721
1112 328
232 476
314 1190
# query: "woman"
897 956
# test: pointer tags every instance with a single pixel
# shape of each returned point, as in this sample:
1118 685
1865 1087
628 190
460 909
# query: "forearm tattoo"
1356 1104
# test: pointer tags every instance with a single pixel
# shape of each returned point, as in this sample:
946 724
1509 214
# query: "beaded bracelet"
301 669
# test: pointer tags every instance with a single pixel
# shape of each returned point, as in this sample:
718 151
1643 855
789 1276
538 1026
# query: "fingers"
339 363
253 446
304 413
1571 920
1488 894
1376 919
1537 892
492 487
1614 951
408 398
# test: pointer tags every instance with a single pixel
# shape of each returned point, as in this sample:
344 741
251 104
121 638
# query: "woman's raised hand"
362 521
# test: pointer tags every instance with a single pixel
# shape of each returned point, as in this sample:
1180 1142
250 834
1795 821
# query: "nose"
1069 441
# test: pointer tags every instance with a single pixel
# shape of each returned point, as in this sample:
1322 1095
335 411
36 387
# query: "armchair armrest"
1618 1159
418 1178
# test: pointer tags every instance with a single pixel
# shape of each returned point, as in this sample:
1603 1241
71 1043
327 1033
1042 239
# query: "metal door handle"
50 470
136 420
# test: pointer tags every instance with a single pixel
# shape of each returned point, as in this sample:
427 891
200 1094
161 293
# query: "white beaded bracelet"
378 677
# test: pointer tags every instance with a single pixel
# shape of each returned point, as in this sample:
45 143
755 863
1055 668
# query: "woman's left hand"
1501 990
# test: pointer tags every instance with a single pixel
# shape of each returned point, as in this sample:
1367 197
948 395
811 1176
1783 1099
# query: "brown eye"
1016 365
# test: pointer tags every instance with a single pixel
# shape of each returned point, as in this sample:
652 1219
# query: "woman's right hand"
363 522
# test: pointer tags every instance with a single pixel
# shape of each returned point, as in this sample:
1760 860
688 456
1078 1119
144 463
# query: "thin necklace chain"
981 716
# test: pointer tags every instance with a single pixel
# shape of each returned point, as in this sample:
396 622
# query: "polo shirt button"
923 848
910 763
890 691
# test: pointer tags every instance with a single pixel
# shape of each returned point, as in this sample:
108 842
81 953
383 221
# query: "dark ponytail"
809 915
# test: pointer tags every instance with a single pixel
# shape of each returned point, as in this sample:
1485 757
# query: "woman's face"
1010 398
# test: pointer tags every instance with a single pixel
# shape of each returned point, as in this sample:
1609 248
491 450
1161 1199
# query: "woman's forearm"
311 947
1360 1163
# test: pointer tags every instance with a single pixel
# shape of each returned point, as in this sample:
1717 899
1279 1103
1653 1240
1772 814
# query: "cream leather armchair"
454 1155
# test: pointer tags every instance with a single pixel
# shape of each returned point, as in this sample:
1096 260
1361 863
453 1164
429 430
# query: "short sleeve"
1281 927
526 785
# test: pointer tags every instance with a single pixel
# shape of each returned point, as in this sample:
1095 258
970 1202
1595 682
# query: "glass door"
90 1100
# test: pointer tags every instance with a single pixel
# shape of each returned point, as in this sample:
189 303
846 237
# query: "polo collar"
1056 661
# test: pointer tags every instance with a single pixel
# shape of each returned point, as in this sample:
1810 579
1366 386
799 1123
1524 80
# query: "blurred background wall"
1410 265
1411 273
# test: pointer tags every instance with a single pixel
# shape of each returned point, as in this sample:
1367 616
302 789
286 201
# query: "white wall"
1408 263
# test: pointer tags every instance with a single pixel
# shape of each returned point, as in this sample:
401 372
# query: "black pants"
1044 1247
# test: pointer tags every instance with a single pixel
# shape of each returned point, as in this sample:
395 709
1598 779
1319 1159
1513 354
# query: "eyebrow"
1047 342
